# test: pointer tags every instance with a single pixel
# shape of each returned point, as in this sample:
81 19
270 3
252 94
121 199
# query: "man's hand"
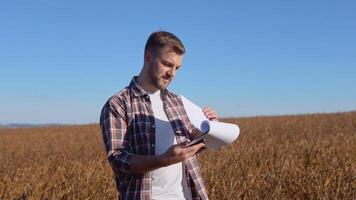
178 153
210 114
141 164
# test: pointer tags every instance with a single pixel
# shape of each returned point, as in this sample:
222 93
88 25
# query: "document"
215 134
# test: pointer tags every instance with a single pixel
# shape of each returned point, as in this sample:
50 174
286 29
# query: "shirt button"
152 145
153 126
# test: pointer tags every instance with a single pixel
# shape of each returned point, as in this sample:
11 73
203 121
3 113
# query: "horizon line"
18 125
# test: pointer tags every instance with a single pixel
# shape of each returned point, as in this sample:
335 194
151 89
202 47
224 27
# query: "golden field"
283 157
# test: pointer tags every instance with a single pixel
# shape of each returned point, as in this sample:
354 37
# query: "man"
145 130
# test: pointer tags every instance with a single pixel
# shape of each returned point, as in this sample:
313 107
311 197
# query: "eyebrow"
167 62
170 63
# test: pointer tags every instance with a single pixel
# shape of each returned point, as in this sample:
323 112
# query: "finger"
209 116
193 148
212 117
208 110
210 113
196 149
205 109
200 145
201 149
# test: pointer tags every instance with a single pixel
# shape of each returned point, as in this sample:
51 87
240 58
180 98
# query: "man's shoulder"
120 97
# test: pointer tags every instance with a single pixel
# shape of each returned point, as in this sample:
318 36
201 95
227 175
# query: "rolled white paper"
216 134
219 133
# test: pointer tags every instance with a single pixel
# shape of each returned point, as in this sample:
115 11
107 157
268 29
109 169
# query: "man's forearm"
177 153
140 164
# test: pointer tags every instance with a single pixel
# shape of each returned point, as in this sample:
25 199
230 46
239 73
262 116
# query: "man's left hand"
210 114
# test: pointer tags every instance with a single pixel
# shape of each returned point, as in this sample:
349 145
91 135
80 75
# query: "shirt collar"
138 91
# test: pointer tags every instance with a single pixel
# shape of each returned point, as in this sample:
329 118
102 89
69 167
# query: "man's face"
163 66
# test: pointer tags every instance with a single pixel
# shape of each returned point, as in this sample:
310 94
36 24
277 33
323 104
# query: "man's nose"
172 72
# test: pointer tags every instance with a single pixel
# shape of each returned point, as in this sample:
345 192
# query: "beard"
155 79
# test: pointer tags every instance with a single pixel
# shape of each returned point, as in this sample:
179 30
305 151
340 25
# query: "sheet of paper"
194 112
218 134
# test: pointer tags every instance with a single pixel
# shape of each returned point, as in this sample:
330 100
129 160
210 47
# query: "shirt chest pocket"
142 134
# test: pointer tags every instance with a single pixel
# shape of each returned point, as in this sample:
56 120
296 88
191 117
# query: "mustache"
167 77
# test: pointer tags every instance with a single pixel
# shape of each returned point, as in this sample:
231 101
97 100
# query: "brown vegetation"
286 157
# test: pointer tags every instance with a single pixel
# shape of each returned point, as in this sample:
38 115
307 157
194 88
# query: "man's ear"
147 56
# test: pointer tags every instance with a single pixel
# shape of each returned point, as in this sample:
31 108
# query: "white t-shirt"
168 183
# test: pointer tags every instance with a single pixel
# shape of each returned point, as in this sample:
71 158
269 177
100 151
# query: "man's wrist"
161 161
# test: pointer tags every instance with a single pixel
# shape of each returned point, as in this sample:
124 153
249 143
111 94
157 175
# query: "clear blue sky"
61 60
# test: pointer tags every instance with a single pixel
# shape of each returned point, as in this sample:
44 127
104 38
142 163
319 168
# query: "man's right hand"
179 153
140 164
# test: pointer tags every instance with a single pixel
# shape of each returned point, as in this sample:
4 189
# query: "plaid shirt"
128 128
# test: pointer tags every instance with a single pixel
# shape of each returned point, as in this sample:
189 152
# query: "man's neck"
145 84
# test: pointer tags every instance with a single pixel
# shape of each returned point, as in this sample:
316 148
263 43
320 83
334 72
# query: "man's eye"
168 64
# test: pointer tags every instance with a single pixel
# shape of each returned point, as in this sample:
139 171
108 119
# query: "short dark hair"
160 39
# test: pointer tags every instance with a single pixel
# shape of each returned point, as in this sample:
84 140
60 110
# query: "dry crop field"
283 157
